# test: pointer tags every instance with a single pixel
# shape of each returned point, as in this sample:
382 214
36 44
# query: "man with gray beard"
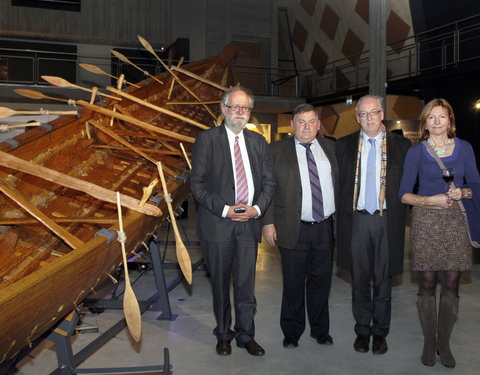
232 181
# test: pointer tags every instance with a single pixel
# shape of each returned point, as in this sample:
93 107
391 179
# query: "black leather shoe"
252 348
323 340
362 343
223 347
379 345
290 342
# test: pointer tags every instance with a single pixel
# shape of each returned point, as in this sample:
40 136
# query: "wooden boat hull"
48 278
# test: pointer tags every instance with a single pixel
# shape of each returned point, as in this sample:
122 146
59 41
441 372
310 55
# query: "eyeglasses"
372 113
237 108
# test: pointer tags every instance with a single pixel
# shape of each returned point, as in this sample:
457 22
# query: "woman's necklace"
442 151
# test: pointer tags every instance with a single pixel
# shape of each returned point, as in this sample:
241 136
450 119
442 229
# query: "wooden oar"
122 141
6 127
60 82
15 195
32 94
182 253
186 156
133 120
131 309
156 107
89 220
95 69
149 48
98 192
194 103
7 112
173 81
200 78
123 58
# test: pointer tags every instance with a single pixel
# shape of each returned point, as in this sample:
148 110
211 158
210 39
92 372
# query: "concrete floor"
191 343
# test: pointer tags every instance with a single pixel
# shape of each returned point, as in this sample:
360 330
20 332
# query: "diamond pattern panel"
309 6
329 118
319 59
352 46
362 8
397 30
329 22
299 36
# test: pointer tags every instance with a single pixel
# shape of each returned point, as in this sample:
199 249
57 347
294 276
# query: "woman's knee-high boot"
427 312
447 316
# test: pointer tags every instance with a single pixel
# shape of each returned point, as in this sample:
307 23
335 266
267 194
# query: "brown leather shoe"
223 347
252 348
362 343
379 345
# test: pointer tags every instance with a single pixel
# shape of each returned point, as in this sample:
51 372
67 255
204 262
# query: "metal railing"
439 49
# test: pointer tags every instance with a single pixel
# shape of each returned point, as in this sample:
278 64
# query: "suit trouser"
307 274
371 279
234 259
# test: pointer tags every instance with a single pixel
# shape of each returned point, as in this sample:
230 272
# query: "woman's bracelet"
420 201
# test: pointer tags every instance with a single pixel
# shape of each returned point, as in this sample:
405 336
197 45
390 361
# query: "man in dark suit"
232 181
370 220
305 240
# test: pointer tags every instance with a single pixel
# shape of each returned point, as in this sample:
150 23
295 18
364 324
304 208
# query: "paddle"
173 81
95 69
5 127
23 202
60 82
186 156
131 309
182 253
7 112
149 48
200 78
11 161
32 94
156 108
123 58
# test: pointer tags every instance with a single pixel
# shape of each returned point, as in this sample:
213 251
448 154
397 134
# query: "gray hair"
379 99
226 95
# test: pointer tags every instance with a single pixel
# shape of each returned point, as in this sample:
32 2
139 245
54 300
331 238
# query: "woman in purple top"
439 237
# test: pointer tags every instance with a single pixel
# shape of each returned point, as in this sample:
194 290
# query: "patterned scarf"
383 171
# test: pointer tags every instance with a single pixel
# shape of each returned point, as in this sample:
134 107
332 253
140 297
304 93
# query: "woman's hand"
455 194
440 200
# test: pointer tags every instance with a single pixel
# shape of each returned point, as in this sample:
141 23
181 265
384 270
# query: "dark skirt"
439 240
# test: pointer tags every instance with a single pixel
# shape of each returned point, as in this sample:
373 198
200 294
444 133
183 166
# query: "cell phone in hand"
240 210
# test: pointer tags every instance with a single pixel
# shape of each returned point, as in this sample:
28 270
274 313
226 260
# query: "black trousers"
371 279
307 276
233 260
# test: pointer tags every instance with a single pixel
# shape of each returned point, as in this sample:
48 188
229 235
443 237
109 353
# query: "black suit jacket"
286 207
212 181
346 149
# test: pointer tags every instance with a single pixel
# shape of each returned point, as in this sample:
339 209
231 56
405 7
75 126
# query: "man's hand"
270 234
250 213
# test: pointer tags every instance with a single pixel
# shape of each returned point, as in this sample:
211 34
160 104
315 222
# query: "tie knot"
236 138
372 141
306 145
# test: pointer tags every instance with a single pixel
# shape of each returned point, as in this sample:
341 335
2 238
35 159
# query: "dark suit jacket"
346 149
286 207
213 184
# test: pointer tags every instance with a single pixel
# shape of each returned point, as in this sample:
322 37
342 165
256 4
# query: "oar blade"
132 313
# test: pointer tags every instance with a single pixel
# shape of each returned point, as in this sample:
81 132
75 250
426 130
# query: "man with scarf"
370 221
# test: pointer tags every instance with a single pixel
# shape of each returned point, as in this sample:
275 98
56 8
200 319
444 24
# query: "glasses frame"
372 113
236 108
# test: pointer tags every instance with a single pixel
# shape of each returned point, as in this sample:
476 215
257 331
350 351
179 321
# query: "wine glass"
448 175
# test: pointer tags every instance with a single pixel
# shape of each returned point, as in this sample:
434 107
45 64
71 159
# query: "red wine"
448 179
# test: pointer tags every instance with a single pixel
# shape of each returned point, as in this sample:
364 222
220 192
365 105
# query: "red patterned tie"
242 185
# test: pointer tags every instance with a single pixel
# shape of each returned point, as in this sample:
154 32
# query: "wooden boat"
58 182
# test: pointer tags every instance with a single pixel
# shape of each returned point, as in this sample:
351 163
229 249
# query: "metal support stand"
68 361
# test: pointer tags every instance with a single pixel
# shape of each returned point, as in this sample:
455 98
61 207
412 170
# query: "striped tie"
242 185
317 198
